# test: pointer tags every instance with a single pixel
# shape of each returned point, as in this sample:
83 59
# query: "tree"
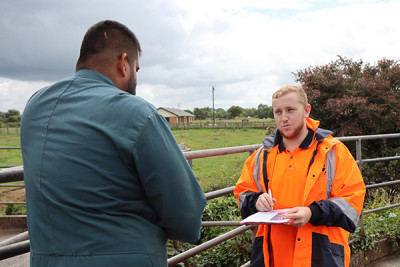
264 111
199 114
353 98
249 112
220 113
11 116
234 111
12 112
356 98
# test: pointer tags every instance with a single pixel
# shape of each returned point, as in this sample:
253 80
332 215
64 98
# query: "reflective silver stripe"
330 170
256 176
242 197
347 209
257 168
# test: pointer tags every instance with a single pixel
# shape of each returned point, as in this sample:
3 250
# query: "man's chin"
287 135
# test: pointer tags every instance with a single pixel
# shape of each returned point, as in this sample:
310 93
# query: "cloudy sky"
245 49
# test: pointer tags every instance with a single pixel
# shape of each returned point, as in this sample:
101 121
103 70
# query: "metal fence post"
362 225
190 163
359 162
358 154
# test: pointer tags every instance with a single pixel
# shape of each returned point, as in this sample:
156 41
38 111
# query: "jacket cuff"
316 214
249 205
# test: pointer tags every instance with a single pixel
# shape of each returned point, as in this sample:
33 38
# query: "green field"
219 171
212 172
10 157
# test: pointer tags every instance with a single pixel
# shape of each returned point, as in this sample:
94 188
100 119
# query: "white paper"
269 217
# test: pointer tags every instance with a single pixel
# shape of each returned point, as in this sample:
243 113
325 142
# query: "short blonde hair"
284 90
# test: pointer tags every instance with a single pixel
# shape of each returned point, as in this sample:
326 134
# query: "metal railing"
10 248
222 125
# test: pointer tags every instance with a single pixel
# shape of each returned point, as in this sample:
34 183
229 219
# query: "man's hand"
301 215
265 202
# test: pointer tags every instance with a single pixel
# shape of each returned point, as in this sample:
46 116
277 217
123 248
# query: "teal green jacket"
106 183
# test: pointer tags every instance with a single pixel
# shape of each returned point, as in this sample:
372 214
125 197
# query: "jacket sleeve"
345 202
168 181
246 190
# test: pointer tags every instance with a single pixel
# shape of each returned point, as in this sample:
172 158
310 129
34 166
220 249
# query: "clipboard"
268 217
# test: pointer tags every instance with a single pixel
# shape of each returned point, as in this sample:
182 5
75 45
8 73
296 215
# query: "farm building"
174 115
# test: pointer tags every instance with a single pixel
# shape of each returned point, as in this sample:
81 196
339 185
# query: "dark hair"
111 37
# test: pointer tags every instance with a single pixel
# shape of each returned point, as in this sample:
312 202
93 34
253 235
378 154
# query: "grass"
221 171
10 157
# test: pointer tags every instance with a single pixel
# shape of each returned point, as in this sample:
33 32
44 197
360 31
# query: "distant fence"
9 130
223 125
195 125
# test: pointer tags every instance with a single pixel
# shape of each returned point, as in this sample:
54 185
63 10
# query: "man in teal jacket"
106 183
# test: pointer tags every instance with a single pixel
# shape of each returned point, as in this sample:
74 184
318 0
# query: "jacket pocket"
325 253
257 253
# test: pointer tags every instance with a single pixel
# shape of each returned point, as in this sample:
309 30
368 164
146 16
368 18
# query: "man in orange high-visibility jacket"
312 174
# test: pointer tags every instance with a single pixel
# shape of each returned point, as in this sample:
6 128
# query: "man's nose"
284 116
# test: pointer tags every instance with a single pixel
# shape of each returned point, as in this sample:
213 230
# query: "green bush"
233 252
378 225
15 209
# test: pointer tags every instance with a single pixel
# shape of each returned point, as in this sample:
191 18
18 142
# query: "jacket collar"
319 134
91 74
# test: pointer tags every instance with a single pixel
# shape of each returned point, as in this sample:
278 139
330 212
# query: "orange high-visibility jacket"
334 191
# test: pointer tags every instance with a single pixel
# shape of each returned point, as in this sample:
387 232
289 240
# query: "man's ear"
307 110
123 65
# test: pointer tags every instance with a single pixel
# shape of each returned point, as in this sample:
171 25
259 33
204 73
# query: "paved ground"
18 261
392 260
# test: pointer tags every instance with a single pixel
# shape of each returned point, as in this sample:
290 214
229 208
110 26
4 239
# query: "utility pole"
213 105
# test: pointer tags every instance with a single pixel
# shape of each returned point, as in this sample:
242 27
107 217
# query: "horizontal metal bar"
219 193
221 223
15 239
12 174
10 147
353 240
14 249
380 159
382 184
206 245
12 185
368 137
380 209
220 151
7 203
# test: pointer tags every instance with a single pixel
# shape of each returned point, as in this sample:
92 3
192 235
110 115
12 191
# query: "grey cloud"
42 38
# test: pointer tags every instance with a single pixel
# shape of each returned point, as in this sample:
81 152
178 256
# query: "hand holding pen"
265 202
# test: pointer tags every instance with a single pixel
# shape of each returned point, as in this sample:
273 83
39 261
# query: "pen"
270 194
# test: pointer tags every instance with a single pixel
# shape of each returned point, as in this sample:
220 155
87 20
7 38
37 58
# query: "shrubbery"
15 209
233 252
378 225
